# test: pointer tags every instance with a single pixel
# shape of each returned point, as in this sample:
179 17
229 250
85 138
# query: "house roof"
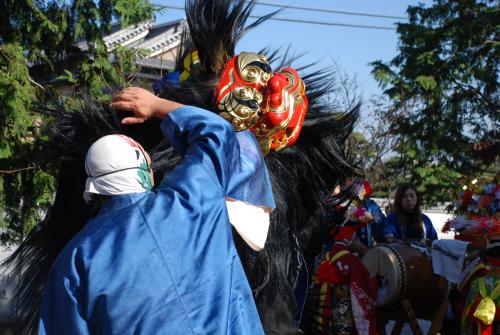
123 37
164 38
155 63
157 40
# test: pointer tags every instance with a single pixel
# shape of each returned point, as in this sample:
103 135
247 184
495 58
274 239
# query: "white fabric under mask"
115 165
251 222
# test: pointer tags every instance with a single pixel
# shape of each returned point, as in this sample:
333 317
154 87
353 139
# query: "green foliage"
426 82
39 55
443 90
16 95
365 151
132 11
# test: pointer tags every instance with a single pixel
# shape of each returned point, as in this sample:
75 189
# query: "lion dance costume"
277 106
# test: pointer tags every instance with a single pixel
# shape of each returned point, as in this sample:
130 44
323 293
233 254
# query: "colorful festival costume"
346 293
474 270
245 91
373 231
482 307
342 298
477 221
481 314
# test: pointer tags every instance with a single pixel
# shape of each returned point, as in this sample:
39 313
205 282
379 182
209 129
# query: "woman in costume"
408 222
234 87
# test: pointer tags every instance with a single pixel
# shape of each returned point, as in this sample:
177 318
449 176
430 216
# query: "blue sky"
351 48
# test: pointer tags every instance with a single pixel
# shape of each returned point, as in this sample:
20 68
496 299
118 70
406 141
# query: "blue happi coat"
161 262
373 230
392 227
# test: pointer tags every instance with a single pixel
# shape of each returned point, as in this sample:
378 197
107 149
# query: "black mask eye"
249 103
263 66
137 154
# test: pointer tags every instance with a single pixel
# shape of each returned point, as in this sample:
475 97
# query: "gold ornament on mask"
239 96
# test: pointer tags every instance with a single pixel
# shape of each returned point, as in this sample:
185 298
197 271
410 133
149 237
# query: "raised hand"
142 103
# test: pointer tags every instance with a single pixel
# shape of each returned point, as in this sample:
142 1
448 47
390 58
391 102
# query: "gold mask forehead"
245 58
250 72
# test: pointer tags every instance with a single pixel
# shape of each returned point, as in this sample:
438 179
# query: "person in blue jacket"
370 233
161 262
407 221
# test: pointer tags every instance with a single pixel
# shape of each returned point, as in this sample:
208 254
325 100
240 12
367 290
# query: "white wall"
438 221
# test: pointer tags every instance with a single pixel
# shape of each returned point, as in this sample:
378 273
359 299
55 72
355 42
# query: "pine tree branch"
17 170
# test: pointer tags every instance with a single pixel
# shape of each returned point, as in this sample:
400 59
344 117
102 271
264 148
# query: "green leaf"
426 58
426 82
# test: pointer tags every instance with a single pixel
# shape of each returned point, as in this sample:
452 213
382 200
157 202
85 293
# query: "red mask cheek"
275 119
297 115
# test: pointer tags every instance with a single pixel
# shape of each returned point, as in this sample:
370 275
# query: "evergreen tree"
443 86
39 55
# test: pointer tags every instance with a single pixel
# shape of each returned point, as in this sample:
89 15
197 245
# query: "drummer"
407 222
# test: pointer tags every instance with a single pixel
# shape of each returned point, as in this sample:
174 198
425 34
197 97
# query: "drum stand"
407 314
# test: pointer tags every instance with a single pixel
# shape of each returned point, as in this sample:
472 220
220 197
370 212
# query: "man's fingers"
123 105
122 96
132 91
133 120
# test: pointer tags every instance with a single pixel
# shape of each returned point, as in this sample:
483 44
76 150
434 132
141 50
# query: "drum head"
388 267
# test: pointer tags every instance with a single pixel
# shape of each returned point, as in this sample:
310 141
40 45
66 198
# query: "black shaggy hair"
301 175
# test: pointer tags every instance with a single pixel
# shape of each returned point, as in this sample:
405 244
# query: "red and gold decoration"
272 105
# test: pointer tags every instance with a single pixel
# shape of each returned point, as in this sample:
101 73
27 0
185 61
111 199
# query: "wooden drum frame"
407 273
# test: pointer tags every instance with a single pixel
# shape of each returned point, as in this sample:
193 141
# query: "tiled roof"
129 35
164 41
157 40
155 63
123 37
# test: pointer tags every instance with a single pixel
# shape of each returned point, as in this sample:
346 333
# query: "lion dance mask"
272 105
